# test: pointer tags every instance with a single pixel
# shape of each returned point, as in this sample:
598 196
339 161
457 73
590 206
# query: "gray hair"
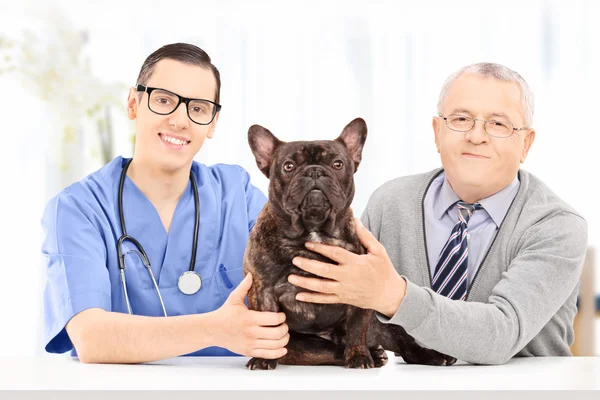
499 72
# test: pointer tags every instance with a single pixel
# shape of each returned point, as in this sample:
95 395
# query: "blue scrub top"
81 227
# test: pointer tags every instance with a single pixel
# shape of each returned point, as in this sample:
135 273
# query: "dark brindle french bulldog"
310 191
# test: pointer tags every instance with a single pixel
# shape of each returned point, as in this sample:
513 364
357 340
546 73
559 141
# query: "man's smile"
475 156
174 140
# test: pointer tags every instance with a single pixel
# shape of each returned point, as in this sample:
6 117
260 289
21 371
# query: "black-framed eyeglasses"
164 102
494 127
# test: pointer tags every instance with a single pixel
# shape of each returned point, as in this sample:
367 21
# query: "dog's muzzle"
315 206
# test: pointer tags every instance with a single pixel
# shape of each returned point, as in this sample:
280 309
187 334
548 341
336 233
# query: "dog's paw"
428 357
379 356
359 358
438 358
261 363
360 361
449 360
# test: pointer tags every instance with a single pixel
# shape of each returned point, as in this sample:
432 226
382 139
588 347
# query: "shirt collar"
496 205
446 197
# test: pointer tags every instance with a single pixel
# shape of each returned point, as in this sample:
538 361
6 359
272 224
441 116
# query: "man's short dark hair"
183 52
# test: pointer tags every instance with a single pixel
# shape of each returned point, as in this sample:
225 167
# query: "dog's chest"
316 237
276 267
302 316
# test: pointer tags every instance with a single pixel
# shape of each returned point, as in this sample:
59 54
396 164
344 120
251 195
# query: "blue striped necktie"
450 278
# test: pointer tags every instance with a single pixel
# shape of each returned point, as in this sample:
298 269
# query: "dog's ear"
353 137
263 144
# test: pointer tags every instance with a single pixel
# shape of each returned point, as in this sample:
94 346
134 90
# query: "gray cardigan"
522 300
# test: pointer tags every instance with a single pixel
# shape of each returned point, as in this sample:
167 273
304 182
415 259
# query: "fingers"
241 291
318 298
315 284
337 254
269 333
319 268
272 344
367 238
266 318
268 354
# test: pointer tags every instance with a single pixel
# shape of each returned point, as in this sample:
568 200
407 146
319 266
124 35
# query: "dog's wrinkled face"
311 182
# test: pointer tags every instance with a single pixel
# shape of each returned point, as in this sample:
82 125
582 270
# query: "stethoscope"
189 282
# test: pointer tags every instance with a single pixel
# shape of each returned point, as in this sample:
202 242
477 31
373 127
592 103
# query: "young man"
107 294
478 260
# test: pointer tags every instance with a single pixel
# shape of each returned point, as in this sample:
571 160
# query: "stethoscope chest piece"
189 283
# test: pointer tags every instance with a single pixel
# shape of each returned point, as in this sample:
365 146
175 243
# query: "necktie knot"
465 210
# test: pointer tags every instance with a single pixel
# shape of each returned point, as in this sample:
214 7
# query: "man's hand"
247 332
366 281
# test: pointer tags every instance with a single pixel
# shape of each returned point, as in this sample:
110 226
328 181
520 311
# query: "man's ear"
132 104
213 125
263 144
353 137
435 124
528 142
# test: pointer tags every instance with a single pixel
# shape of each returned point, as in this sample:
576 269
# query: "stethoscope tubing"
140 250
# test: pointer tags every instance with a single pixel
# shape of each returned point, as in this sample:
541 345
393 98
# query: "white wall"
304 69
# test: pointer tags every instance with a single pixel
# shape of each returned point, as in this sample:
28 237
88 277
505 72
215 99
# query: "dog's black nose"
314 172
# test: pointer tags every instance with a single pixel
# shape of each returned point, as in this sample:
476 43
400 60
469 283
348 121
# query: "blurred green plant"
52 66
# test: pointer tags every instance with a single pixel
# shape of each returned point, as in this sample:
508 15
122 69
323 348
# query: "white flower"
51 64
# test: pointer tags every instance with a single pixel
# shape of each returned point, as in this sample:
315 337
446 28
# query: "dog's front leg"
357 354
261 299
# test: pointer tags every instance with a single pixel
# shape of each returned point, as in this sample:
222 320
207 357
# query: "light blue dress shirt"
82 227
441 214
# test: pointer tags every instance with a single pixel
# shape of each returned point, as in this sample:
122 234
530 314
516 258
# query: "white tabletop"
198 373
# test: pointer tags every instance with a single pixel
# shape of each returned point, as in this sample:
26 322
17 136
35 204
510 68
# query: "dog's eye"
289 167
338 165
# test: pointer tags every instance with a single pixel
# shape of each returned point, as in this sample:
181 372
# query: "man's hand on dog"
248 332
367 281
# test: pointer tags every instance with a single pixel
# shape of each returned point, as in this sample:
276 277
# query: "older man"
479 259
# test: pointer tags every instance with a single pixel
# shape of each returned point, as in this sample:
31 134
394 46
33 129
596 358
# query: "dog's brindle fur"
312 203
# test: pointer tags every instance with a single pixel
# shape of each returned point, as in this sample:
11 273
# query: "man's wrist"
209 324
394 297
